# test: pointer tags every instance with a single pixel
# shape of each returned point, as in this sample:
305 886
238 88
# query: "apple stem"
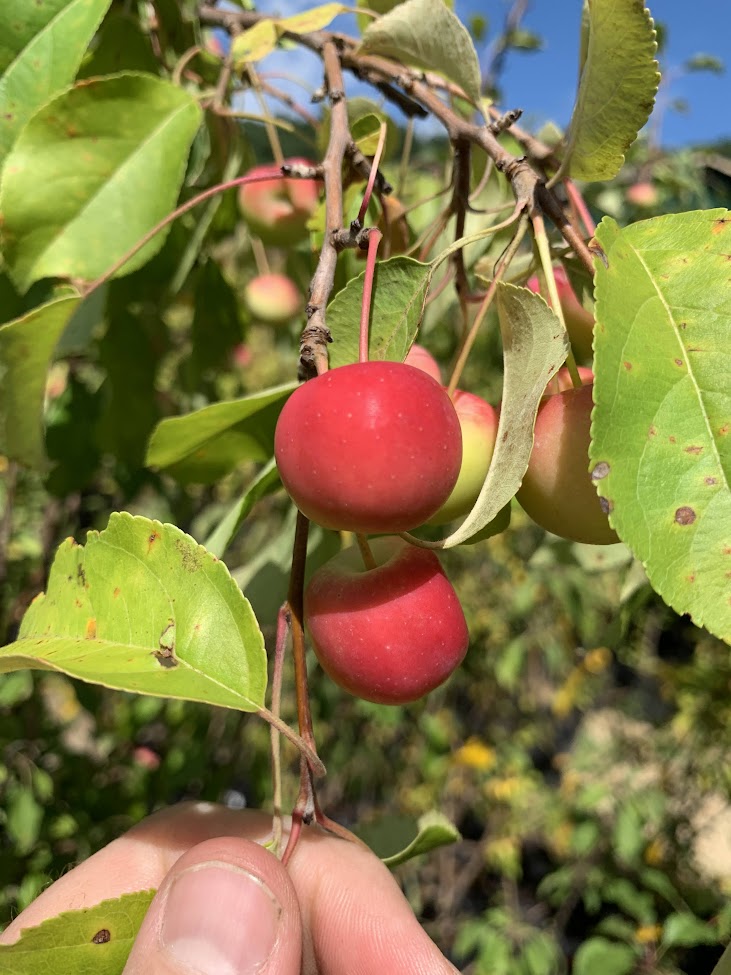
577 200
260 256
373 173
374 238
365 551
500 270
544 252
403 171
280 648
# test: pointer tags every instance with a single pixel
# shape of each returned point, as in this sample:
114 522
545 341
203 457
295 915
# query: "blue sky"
543 83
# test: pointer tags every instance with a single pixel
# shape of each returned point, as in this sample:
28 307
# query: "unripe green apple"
478 421
370 447
277 209
421 358
273 298
579 321
557 491
389 634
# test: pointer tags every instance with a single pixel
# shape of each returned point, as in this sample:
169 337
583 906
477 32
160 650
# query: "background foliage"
582 750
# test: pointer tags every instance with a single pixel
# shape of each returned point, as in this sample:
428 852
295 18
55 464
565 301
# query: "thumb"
227 907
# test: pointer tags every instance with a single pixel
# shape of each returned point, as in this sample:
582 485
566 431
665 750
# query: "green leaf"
93 941
26 348
427 34
204 445
617 87
534 348
144 608
266 481
607 957
661 431
47 62
24 816
705 62
261 39
687 931
399 292
118 147
397 839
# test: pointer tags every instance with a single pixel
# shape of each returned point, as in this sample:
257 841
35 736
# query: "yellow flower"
475 754
648 934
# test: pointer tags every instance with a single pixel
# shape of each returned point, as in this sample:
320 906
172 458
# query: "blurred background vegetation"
583 749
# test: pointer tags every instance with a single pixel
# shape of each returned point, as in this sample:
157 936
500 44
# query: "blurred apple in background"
273 299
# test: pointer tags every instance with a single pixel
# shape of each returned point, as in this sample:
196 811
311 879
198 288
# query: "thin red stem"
373 174
365 310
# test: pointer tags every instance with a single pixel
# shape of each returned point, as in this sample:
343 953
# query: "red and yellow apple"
421 358
579 321
369 447
389 634
277 209
273 298
478 421
557 491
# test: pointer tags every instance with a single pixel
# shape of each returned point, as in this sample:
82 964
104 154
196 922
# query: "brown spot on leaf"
693 450
627 365
685 516
91 629
102 937
117 592
724 429
719 225
78 603
691 577
672 439
81 575
652 432
710 480
683 324
166 653
165 659
606 505
190 556
678 362
600 471
154 537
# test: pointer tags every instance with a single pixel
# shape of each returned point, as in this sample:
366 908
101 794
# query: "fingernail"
219 920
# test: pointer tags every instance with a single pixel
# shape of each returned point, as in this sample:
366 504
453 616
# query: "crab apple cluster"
579 321
277 209
557 491
376 448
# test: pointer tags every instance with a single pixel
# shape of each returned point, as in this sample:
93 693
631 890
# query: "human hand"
227 906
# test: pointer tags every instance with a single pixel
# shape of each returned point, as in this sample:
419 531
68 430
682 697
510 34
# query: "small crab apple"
277 209
421 358
562 380
388 634
273 298
369 447
478 421
579 321
557 491
642 194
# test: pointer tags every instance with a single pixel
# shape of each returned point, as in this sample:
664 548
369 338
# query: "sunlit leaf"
661 433
399 292
602 955
619 79
142 607
26 348
93 941
397 839
427 34
204 445
59 38
255 43
91 173
687 930
534 347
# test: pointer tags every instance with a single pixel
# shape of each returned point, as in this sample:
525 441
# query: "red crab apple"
272 298
642 194
421 358
579 321
277 209
478 421
557 491
370 447
389 634
562 380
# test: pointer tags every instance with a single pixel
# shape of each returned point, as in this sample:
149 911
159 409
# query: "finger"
227 907
355 918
